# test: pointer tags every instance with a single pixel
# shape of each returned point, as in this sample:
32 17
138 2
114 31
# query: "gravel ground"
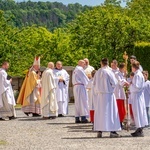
27 133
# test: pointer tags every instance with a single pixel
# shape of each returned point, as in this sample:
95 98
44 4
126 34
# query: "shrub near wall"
142 52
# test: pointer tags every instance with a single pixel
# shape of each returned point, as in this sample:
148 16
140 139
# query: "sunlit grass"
3 142
18 106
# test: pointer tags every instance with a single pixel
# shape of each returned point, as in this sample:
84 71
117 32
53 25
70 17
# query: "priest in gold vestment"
29 96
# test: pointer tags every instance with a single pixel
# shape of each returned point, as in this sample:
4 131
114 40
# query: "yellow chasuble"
29 84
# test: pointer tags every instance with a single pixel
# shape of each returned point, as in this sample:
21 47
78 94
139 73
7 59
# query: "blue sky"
83 2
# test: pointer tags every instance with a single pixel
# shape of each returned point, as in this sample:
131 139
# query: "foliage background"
30 28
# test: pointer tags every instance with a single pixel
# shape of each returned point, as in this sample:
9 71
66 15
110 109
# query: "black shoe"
77 121
1 119
35 115
85 121
26 114
138 133
11 118
60 115
137 130
99 134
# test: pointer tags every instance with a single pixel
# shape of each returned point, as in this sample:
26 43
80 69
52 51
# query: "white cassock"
106 112
115 70
7 100
80 81
92 96
48 95
138 102
129 80
147 93
147 98
62 94
119 89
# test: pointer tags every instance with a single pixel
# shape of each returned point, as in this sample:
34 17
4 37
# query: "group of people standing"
43 94
99 94
106 92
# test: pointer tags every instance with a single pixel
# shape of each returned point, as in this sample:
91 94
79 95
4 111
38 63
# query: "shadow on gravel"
61 123
87 138
31 119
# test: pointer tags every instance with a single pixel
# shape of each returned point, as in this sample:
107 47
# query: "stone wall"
17 82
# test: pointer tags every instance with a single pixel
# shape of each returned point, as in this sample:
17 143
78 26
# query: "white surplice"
88 70
80 81
119 89
106 112
62 94
138 102
48 95
7 100
92 96
147 93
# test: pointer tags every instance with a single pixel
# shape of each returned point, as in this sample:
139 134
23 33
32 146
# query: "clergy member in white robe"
80 81
120 92
92 96
7 100
48 95
114 66
147 95
132 59
88 68
106 112
62 86
138 102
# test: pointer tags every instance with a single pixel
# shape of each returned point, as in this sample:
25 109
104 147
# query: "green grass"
3 142
18 106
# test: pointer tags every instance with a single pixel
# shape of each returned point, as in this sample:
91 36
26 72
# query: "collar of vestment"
58 69
136 71
2 69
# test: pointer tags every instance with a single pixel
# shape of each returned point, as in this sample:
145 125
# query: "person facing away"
29 96
138 102
48 95
62 87
7 100
120 92
147 95
80 81
106 112
88 68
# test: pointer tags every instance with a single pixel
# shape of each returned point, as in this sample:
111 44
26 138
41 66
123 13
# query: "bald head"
81 63
51 65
